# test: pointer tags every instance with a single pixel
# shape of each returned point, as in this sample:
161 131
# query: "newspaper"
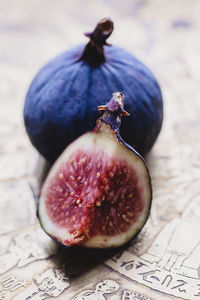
163 261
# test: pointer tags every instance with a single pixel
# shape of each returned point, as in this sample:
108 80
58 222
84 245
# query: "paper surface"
163 262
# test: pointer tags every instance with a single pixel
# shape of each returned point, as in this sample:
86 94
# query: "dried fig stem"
114 109
94 53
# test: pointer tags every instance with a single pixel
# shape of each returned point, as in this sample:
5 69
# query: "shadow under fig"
77 260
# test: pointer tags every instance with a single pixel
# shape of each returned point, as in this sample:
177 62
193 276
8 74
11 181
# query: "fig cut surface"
97 194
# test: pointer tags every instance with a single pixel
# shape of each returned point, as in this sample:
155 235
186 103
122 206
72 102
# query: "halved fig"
98 193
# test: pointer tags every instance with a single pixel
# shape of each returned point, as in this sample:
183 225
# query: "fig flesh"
98 192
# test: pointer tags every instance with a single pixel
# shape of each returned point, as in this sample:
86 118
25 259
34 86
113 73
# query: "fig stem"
94 52
114 109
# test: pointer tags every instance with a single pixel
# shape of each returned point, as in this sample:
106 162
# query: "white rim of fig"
102 140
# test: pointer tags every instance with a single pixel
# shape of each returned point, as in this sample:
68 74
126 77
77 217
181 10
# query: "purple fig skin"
61 102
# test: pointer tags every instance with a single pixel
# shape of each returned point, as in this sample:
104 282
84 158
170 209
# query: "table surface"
163 261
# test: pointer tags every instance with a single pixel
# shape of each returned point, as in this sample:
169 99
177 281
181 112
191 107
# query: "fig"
61 102
98 192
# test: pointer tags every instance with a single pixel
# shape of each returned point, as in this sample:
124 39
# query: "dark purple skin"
62 99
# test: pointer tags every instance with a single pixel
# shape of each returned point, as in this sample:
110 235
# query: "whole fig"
62 99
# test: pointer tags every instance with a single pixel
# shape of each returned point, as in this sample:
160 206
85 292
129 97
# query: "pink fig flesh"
97 194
